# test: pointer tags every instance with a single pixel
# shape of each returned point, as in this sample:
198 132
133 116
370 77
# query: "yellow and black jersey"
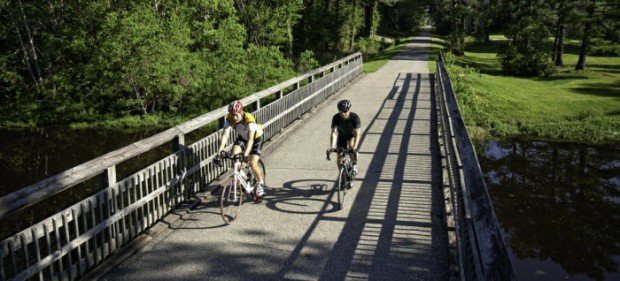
246 124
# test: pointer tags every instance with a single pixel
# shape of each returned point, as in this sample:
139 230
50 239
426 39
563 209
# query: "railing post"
178 144
279 94
108 178
257 104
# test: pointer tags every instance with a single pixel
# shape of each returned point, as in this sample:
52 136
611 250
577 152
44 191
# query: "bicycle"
239 184
345 174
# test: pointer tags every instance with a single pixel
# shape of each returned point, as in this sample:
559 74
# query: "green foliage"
400 18
525 54
600 47
307 62
609 50
269 22
89 62
525 62
376 19
368 45
350 26
269 67
142 62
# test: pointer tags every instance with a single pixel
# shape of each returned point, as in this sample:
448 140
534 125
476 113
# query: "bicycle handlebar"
228 155
339 150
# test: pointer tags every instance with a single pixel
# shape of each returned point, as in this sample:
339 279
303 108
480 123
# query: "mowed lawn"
570 105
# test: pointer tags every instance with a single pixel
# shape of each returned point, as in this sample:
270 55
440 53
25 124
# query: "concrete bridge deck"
392 227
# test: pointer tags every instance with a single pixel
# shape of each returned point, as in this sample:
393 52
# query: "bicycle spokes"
230 202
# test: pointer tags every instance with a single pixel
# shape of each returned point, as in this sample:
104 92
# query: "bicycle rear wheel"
230 201
341 187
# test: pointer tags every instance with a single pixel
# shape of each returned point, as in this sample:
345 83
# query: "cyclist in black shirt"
346 130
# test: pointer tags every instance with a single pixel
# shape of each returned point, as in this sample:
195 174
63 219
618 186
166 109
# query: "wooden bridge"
419 209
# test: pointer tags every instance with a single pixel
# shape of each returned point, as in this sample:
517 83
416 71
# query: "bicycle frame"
345 175
236 175
345 160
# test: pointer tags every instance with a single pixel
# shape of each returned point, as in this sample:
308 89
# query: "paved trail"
391 229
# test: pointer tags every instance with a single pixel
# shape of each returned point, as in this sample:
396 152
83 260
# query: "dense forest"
89 61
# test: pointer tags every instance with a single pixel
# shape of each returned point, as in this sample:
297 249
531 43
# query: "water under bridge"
418 211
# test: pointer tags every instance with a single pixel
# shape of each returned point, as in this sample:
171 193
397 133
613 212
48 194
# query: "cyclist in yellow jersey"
249 140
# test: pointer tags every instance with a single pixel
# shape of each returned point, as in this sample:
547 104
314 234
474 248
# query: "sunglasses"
344 111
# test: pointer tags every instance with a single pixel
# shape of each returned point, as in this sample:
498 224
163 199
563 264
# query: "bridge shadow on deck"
411 54
395 229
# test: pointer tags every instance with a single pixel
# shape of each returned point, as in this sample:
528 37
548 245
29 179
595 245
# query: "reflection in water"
28 156
559 207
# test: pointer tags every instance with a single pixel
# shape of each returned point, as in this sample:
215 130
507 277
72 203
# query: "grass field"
569 106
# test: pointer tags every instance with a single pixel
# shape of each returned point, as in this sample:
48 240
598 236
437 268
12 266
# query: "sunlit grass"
572 106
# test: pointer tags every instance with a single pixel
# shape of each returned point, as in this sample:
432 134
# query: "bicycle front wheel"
230 201
341 187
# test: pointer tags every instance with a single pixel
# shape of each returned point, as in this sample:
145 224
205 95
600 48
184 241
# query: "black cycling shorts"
256 147
343 141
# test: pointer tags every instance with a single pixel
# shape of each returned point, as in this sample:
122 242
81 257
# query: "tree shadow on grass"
600 89
485 66
560 77
479 47
613 68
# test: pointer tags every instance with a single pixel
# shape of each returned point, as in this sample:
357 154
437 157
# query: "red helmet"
235 107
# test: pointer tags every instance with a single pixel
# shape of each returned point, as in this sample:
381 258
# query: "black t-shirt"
346 127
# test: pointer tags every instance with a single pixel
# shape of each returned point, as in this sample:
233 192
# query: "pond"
558 206
29 156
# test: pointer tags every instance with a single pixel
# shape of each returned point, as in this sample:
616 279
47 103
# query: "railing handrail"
43 189
490 256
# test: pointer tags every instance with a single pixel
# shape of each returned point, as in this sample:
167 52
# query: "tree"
270 23
588 22
611 21
564 12
450 18
403 17
370 17
527 32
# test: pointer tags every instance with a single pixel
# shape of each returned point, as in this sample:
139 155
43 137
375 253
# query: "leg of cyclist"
238 148
341 143
351 144
253 161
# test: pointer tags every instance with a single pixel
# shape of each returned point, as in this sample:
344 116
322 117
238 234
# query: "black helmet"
344 105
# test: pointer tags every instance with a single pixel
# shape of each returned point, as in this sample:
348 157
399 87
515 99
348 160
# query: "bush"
528 63
307 61
367 45
608 50
525 54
